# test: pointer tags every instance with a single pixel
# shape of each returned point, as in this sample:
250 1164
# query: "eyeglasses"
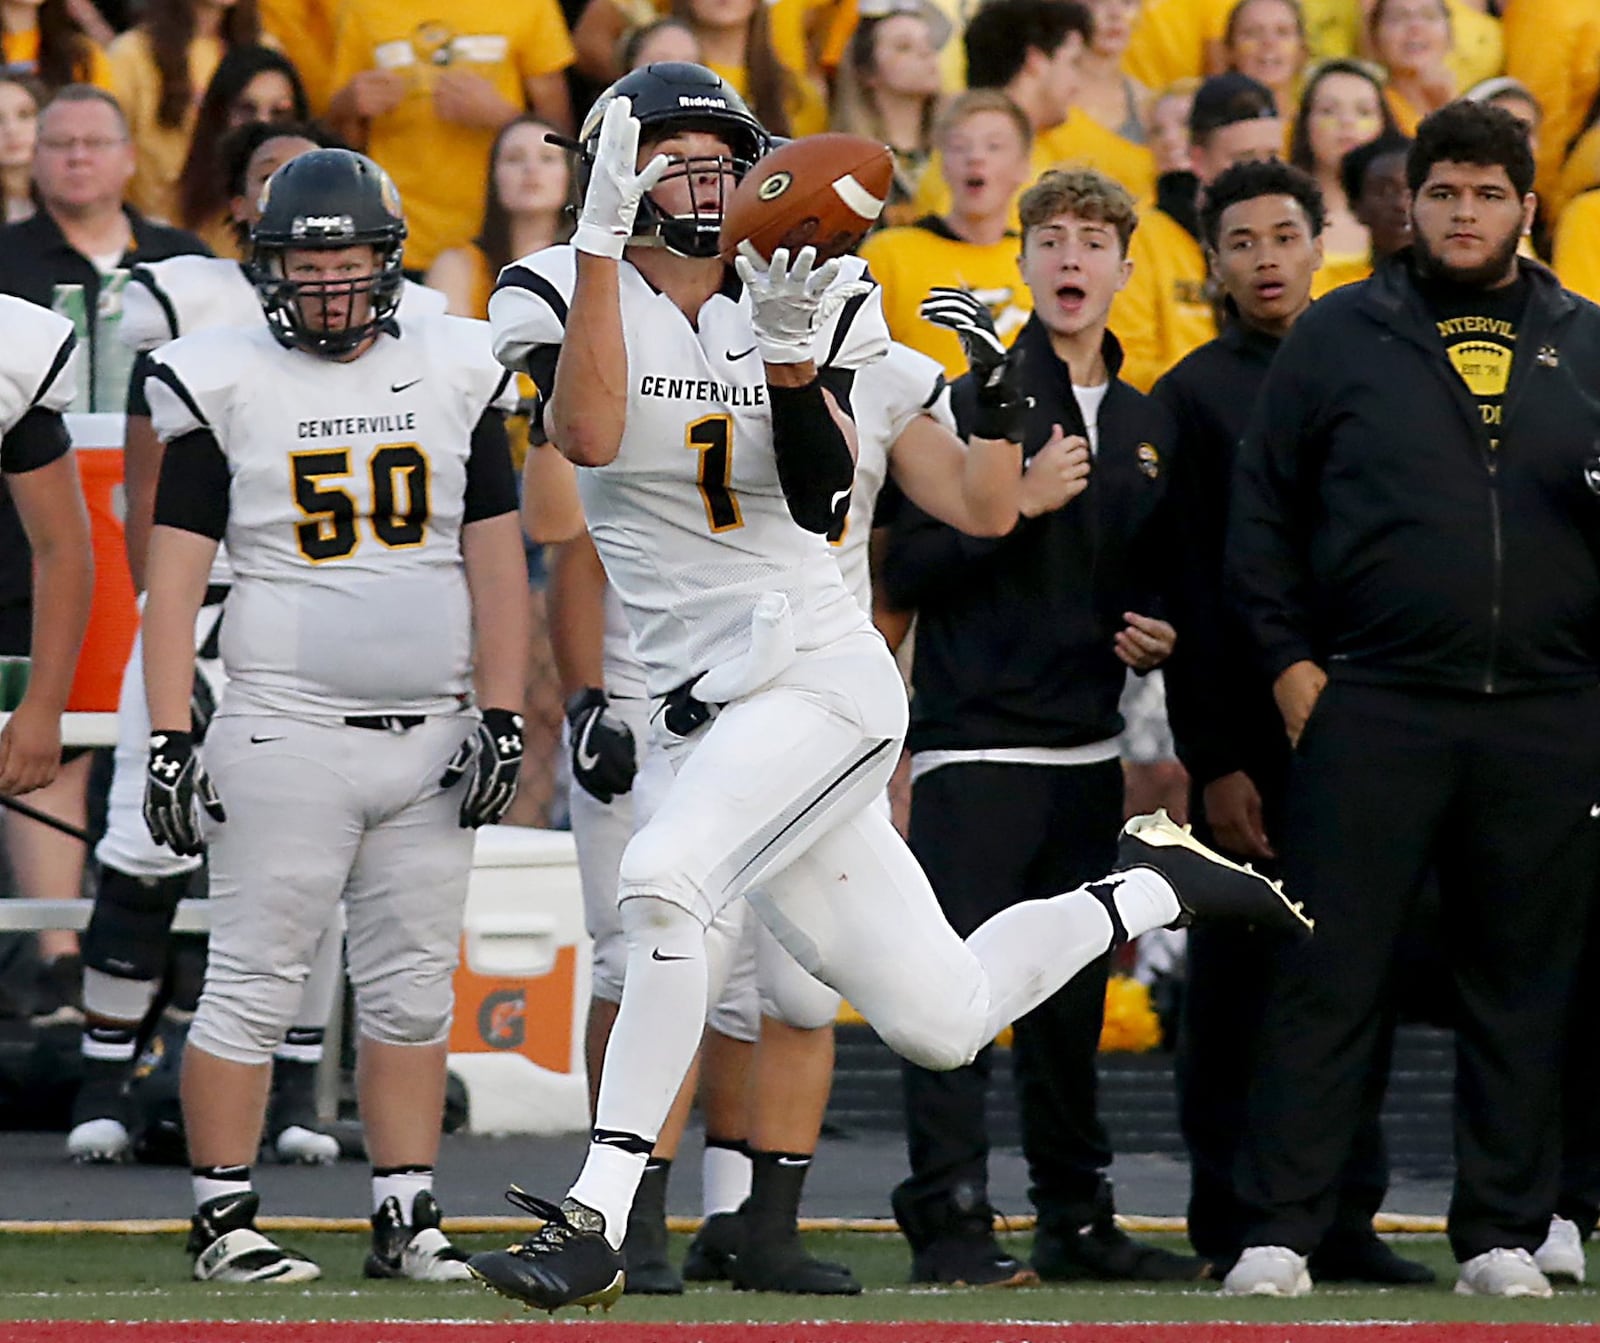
90 144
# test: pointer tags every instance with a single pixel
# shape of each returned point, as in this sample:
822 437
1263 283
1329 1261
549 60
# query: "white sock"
403 1183
1030 950
214 1181
724 1178
652 1044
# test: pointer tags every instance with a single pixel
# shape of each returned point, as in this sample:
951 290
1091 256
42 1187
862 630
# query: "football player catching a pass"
356 467
707 410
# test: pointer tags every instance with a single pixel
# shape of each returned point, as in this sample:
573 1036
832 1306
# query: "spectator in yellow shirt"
1266 39
1169 127
425 96
1577 252
1553 47
1165 309
42 39
158 72
1030 50
888 88
305 31
1342 108
1106 91
1411 39
736 41
983 143
252 84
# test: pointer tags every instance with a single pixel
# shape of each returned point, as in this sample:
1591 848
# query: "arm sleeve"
815 465
491 481
192 494
1272 513
37 439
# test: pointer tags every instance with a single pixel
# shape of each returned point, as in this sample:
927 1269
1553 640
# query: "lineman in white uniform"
38 380
710 482
358 470
126 946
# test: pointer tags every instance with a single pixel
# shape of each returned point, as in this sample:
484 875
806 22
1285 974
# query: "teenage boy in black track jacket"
1415 542
1022 649
1262 225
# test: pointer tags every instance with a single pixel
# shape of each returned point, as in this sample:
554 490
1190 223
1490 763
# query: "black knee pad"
131 924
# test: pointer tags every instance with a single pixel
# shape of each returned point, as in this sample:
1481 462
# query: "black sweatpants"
989 836
1225 998
1495 792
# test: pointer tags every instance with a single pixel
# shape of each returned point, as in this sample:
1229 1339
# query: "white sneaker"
307 1147
104 1140
1268 1270
1561 1255
1502 1272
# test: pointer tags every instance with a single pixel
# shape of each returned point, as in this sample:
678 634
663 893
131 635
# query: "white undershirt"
1089 399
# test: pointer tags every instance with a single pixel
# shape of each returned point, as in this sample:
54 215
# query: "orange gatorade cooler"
522 989
114 618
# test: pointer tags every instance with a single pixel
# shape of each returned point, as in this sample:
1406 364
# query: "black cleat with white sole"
416 1249
1208 885
227 1247
566 1262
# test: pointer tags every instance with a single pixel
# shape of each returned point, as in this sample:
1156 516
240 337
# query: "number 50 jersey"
689 518
348 486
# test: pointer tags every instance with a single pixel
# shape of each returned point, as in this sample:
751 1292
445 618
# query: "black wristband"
581 701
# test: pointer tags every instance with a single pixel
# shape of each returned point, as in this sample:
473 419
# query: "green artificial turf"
146 1278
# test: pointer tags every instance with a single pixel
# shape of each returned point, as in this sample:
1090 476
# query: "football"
823 191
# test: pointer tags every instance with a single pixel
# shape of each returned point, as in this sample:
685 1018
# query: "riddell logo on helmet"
700 100
324 224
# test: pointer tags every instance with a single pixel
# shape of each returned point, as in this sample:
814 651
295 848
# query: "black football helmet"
326 199
672 96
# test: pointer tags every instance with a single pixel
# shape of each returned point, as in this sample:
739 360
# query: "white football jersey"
624 673
886 397
689 518
185 294
344 511
38 361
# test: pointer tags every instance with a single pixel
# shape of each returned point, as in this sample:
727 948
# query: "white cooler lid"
521 846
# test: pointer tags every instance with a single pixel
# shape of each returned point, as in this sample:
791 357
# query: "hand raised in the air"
996 371
790 300
1055 475
616 184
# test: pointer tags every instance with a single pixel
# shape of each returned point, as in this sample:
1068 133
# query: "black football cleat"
714 1248
1208 886
566 1262
782 1265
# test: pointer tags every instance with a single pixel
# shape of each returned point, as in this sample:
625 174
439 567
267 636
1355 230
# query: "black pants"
1580 1098
1225 999
1495 793
990 836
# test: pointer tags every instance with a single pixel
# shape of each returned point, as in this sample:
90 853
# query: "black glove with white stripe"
996 371
490 760
604 755
174 783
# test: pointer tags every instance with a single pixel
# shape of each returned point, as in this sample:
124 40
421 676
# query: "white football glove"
790 303
615 186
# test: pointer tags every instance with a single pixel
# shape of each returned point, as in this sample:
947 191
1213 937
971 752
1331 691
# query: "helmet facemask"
708 182
289 304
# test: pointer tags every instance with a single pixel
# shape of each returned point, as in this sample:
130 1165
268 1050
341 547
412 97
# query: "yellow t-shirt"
304 29
440 166
908 262
159 151
1078 141
1577 246
20 53
1163 312
1553 46
952 53
1337 271
1170 40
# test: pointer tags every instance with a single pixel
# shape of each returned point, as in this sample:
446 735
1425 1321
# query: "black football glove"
996 371
604 755
174 782
490 760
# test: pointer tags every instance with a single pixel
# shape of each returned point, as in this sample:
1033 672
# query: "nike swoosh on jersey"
587 759
834 502
257 741
401 386
657 956
735 358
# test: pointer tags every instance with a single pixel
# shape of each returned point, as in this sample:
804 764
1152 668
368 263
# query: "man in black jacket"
1414 545
1262 224
1023 646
